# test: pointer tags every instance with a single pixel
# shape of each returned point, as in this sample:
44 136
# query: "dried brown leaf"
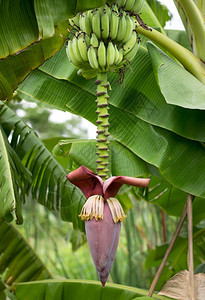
178 287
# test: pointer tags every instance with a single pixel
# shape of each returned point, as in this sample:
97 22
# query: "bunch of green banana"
130 5
105 39
106 23
98 55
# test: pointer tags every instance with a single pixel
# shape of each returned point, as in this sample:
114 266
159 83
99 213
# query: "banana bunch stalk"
105 40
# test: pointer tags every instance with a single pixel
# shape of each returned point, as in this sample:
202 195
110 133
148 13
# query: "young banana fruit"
104 38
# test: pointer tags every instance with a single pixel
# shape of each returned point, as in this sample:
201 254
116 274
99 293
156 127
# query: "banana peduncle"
102 126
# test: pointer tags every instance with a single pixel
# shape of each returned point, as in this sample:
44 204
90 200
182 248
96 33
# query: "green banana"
84 23
131 54
110 54
105 23
92 57
120 3
116 54
87 39
96 27
137 6
114 22
70 54
121 52
102 55
122 27
82 46
75 20
130 43
129 5
129 28
94 40
76 51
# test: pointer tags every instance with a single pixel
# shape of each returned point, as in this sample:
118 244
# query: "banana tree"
157 117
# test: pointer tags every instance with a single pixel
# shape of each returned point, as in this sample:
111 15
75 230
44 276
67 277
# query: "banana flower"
103 214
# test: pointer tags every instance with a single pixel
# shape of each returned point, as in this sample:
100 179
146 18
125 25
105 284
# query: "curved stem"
197 25
190 199
169 249
102 126
184 56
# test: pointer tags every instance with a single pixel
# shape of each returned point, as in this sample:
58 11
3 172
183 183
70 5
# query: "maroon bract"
103 214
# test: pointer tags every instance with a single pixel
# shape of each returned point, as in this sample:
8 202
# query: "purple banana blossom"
103 235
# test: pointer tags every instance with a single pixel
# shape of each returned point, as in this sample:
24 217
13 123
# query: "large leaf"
182 88
49 184
181 161
23 23
177 260
77 289
122 161
139 95
13 177
14 69
18 262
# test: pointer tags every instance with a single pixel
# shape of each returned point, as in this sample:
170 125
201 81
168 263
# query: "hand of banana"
105 38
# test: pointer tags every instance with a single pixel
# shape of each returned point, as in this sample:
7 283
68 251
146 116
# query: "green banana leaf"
23 23
18 262
122 161
15 68
78 289
181 161
28 155
139 95
182 88
177 260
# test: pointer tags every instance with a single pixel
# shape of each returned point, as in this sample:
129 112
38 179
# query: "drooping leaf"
49 184
57 289
139 95
14 69
18 262
23 23
182 88
180 160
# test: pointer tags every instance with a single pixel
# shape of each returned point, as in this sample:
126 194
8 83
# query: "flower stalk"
102 126
197 24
